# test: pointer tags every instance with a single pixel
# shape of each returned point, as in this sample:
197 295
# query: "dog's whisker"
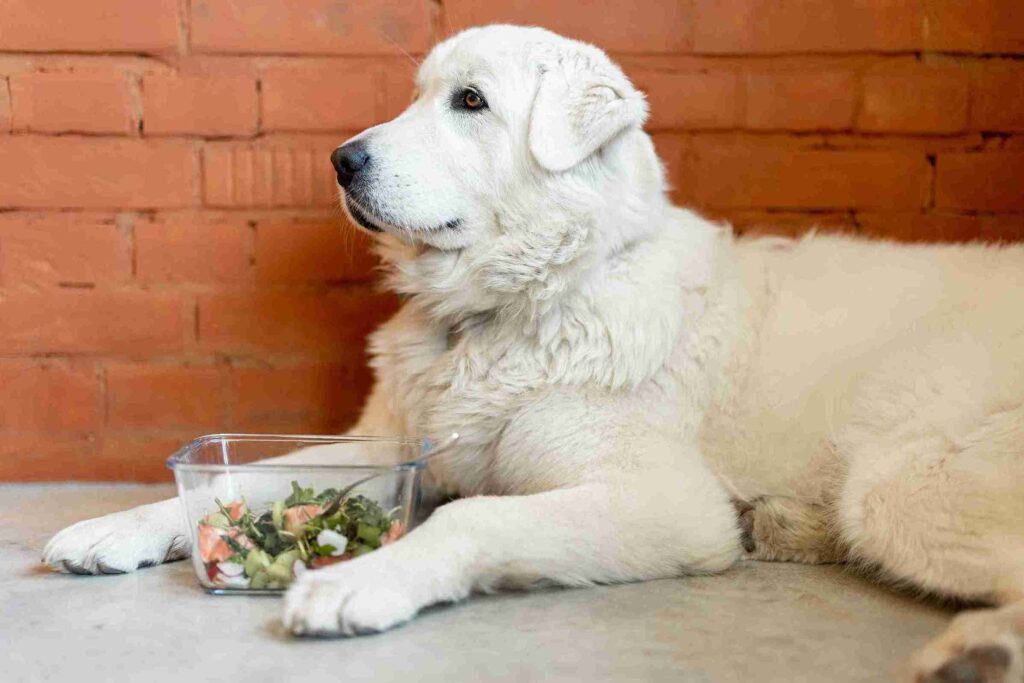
402 50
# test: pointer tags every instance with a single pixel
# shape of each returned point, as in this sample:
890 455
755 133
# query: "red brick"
983 182
323 98
41 172
785 223
49 396
43 457
714 174
5 106
166 397
69 101
978 26
918 99
46 457
939 227
134 457
299 399
676 153
911 142
332 323
92 321
999 227
641 26
93 26
312 26
189 248
269 174
310 250
284 289
806 26
998 97
800 100
689 100
51 248
199 104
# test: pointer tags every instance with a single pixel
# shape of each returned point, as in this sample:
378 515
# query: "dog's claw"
73 568
745 518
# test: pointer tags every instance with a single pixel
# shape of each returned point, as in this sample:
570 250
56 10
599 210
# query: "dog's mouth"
360 216
372 222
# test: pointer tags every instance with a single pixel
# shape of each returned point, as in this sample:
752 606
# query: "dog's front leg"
626 529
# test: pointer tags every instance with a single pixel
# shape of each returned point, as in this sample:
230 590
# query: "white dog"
621 371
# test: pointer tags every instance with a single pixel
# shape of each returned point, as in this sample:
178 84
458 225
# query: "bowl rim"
175 461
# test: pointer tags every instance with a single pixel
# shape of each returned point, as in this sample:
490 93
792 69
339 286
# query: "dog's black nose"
348 160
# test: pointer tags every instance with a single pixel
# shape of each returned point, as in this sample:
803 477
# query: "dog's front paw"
363 596
120 542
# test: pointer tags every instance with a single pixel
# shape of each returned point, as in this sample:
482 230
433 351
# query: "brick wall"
172 261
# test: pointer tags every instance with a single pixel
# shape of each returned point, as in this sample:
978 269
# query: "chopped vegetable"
243 549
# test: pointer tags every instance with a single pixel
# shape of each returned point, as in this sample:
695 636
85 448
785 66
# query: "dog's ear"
583 102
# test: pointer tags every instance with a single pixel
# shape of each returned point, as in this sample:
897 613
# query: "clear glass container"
259 469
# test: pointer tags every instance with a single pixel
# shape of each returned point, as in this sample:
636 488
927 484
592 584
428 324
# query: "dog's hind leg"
940 508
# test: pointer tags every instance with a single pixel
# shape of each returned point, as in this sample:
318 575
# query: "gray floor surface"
758 622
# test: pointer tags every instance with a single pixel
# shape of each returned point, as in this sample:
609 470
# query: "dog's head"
522 151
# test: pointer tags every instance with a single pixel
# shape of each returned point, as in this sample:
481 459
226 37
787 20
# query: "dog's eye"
470 100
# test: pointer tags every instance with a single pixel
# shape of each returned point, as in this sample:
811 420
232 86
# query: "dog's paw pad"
979 646
979 664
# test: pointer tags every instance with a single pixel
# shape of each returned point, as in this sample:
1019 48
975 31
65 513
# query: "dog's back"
825 315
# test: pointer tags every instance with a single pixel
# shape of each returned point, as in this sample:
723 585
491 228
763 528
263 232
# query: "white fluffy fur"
618 367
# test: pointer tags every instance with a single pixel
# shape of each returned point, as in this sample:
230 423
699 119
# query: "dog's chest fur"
635 340
439 380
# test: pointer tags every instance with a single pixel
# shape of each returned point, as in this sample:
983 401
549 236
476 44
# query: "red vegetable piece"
235 510
327 561
394 532
213 547
295 517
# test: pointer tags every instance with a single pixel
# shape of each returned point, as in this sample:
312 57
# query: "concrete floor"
759 622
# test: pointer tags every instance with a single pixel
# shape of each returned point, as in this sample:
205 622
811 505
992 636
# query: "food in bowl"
242 548
263 508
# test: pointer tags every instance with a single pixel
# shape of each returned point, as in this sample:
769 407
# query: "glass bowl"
230 485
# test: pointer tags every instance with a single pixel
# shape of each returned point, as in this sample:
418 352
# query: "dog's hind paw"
783 529
982 646
120 542
981 664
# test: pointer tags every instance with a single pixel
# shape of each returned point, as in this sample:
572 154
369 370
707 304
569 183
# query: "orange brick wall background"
172 261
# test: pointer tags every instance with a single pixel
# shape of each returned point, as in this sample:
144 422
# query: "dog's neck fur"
602 299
